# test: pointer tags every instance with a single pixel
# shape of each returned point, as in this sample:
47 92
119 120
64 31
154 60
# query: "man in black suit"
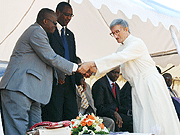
63 105
174 95
107 101
125 96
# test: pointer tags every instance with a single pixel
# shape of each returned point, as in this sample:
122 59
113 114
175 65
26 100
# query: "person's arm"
103 65
39 42
134 50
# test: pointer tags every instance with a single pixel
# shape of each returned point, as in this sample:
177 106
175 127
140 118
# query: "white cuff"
75 67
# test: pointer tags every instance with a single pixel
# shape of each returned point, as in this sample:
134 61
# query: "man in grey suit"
27 82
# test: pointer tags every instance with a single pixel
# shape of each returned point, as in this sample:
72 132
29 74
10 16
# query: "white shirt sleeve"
75 67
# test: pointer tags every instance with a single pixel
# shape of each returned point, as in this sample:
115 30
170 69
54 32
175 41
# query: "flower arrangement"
88 124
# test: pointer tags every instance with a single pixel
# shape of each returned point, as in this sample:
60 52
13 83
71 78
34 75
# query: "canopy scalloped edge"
131 7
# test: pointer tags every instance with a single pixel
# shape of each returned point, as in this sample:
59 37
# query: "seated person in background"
174 95
125 96
85 102
168 79
106 95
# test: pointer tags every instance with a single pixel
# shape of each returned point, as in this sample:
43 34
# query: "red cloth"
114 91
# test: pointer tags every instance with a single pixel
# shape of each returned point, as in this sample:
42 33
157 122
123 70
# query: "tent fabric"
148 20
144 9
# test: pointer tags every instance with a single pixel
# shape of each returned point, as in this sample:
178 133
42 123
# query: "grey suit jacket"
30 68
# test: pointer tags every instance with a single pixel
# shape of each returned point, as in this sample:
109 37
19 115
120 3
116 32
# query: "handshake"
87 69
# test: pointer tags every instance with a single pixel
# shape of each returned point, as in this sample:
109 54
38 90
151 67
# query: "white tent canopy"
147 19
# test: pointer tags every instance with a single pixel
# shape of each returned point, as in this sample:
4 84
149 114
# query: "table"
67 131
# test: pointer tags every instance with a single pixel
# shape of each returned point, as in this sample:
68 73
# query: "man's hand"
87 69
118 119
61 81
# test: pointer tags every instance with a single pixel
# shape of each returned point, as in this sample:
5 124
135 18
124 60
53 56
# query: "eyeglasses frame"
114 33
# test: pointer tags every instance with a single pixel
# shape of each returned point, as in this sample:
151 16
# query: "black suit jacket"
104 100
126 98
57 45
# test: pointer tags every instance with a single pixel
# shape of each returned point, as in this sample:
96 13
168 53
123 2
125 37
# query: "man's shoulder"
68 31
100 81
36 28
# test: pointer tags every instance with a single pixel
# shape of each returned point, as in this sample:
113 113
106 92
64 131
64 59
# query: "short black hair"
61 6
43 14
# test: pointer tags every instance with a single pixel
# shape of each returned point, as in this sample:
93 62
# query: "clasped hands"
87 69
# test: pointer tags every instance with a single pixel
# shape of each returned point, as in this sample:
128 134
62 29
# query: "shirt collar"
127 39
110 82
59 27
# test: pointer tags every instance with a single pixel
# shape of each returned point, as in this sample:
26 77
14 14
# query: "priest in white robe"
153 110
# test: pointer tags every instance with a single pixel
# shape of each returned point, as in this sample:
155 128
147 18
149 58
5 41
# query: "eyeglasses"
67 14
52 21
115 33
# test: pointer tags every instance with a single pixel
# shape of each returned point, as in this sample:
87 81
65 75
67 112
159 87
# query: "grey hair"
121 22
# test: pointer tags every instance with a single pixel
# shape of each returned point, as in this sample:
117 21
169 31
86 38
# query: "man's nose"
69 17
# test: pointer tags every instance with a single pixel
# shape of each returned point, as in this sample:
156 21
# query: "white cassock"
153 110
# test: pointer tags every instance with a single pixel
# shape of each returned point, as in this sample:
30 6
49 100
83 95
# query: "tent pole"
174 37
68 1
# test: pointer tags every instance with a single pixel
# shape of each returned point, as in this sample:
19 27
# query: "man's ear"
126 29
44 21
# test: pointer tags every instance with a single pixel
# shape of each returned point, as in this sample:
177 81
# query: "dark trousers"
127 124
62 105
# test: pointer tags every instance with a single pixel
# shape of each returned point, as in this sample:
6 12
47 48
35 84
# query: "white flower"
80 133
97 118
105 130
100 120
80 115
94 124
77 123
98 128
92 133
85 128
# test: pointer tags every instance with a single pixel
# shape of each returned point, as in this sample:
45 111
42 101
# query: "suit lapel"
117 93
109 87
58 37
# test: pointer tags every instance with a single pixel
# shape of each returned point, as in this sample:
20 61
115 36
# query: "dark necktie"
65 44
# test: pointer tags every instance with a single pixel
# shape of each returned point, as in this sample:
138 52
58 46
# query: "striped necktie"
84 101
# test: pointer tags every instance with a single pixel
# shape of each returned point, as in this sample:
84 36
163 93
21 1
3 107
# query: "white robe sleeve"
133 49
